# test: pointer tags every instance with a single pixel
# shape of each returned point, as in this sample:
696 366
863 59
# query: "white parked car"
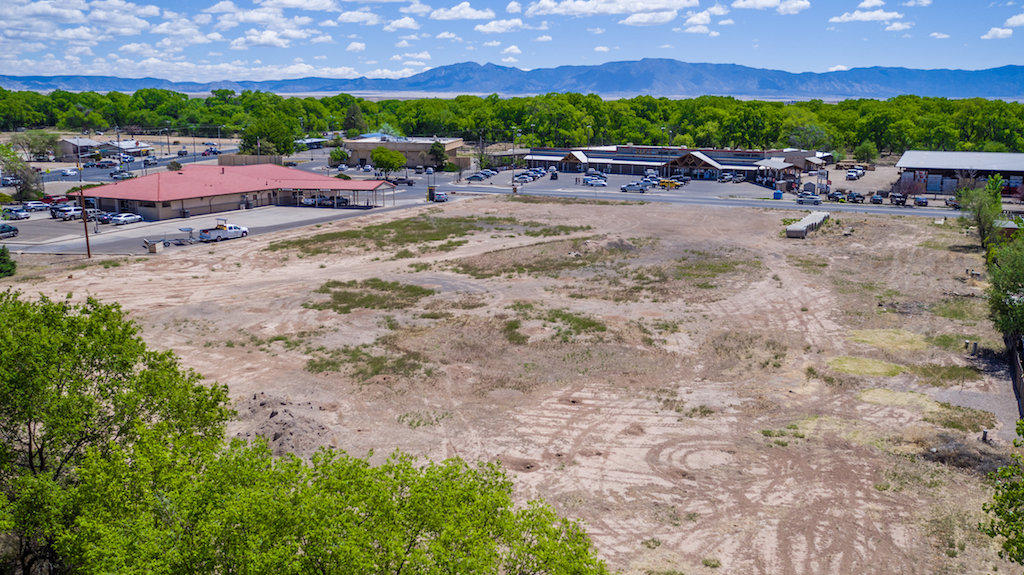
34 206
69 172
597 183
122 219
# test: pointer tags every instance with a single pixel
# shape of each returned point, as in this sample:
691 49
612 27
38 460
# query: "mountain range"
649 76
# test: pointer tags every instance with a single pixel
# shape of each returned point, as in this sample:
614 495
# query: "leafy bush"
7 264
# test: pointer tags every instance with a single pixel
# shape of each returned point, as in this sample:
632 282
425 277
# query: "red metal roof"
200 181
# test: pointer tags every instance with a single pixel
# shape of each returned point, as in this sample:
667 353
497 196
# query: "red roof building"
204 189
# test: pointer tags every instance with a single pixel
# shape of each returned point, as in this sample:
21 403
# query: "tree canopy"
112 460
892 125
387 160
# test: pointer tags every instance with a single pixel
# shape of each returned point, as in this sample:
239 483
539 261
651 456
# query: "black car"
8 231
401 181
89 165
855 198
897 199
877 199
953 203
104 217
835 196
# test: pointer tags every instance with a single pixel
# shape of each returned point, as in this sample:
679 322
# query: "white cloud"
939 35
727 22
424 55
868 4
866 16
600 48
997 34
416 7
921 3
542 38
1015 21
595 30
402 44
255 37
780 6
221 7
698 29
386 73
593 7
402 23
793 6
329 23
509 60
461 11
838 68
899 26
514 7
362 16
649 18
301 4
448 36
513 49
666 46
355 47
499 26
492 43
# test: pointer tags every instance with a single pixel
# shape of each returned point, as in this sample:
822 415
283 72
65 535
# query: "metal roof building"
987 162
200 189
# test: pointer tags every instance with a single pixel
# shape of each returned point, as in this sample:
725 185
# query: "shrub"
7 264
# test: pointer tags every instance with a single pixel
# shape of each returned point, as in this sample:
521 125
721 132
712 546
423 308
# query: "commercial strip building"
703 163
415 150
943 171
203 189
71 149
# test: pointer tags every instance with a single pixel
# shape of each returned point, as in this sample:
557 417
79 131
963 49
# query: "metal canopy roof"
981 161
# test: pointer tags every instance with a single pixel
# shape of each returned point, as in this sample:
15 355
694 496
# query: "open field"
704 394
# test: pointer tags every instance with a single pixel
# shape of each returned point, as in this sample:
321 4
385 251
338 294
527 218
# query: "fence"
248 160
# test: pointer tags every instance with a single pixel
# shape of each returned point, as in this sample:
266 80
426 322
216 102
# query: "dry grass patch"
373 293
734 351
892 339
864 366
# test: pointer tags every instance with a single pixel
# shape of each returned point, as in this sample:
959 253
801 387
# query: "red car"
54 199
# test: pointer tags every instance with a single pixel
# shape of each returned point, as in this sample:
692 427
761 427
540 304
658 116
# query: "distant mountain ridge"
650 76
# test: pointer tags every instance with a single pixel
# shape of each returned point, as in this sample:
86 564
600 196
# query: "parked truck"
222 231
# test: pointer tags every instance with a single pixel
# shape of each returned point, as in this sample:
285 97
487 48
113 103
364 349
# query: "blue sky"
205 40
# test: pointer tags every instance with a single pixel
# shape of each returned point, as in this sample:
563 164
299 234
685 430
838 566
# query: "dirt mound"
288 426
962 453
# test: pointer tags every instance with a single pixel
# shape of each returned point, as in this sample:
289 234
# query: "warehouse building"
947 171
415 150
701 164
71 149
202 189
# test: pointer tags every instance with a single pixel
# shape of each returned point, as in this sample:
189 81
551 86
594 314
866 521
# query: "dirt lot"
704 394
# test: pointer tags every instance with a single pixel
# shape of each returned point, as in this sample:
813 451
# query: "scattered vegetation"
864 366
960 418
373 293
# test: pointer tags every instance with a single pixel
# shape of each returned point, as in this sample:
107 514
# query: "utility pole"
81 203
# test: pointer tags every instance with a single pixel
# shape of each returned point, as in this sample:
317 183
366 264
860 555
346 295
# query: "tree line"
893 125
113 459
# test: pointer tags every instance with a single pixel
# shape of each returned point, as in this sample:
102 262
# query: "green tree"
354 119
36 142
1006 522
174 166
11 164
85 387
243 510
338 156
438 154
865 152
268 136
1006 292
387 160
984 205
7 264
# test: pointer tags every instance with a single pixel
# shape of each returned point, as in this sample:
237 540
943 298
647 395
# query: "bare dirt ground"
704 394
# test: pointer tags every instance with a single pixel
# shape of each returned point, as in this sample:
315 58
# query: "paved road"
136 167
700 193
42 235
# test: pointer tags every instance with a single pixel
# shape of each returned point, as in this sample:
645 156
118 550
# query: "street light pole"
81 204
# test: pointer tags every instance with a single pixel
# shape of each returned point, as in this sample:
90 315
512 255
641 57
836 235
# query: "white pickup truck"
222 231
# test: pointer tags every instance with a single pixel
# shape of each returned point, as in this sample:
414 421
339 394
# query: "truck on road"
222 231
